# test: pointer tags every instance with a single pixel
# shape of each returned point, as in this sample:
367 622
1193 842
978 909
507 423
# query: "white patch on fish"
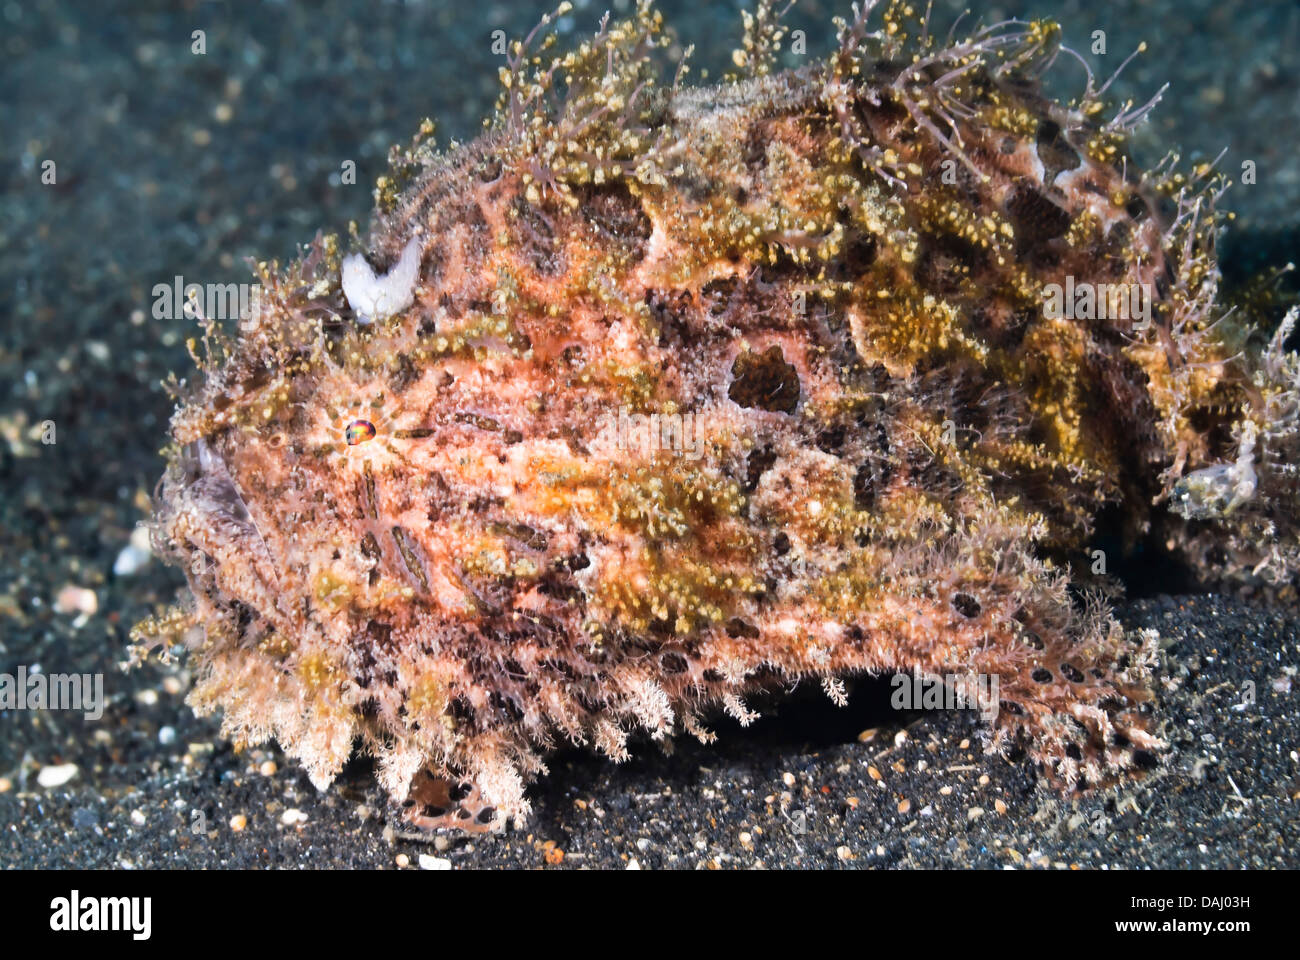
376 298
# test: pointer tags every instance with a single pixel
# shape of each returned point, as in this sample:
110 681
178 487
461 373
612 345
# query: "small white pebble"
73 599
403 861
167 736
292 816
633 864
428 862
238 822
138 818
56 776
267 769
130 561
787 779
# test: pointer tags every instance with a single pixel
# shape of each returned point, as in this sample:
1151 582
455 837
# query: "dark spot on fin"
436 803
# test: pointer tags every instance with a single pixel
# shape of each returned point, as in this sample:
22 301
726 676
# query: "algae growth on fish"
657 398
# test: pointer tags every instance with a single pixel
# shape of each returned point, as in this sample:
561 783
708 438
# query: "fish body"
654 399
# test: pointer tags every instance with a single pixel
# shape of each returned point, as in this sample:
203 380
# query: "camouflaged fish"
656 399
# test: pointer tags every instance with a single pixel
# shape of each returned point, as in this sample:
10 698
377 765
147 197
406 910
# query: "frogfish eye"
359 431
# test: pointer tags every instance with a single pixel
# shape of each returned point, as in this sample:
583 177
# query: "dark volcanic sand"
1224 797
